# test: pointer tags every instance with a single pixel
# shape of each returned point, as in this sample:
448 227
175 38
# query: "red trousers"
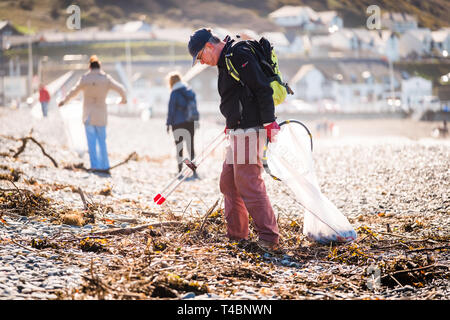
244 189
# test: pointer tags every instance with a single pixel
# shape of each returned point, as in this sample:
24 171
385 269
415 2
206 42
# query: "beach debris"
24 141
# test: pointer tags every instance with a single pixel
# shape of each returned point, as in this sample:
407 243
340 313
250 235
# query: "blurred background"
343 59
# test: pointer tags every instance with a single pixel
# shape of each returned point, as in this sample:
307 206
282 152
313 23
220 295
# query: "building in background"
415 42
417 93
133 26
398 21
303 18
11 82
441 41
353 86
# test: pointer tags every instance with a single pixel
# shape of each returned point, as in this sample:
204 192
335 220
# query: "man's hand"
272 130
60 104
123 101
168 128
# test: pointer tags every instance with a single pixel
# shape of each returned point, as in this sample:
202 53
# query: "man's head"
94 63
204 46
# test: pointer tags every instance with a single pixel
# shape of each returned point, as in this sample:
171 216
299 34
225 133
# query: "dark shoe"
193 177
268 246
238 242
101 172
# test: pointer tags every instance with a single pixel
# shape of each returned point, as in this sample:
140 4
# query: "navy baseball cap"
197 41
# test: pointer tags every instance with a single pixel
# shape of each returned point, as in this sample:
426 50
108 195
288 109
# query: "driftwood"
24 140
80 166
80 192
127 231
418 269
132 156
210 210
24 144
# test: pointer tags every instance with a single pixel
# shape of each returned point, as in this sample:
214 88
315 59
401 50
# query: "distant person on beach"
95 85
444 129
248 110
44 99
181 119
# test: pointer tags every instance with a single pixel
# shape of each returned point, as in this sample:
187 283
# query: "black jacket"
248 105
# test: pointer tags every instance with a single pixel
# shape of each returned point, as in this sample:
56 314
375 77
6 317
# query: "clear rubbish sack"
289 159
71 115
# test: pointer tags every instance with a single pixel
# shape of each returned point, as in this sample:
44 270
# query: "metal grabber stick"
190 165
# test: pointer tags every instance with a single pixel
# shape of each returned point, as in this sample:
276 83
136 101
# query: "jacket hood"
179 85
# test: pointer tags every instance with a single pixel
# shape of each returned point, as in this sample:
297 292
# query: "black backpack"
190 109
267 59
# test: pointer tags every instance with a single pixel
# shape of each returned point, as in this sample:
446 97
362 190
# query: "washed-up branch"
24 143
210 210
132 156
127 231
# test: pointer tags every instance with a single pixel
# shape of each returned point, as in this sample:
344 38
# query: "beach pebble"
189 295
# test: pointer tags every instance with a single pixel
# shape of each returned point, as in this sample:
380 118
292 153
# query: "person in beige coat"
95 85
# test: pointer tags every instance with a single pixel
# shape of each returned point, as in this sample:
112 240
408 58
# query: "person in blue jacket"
182 128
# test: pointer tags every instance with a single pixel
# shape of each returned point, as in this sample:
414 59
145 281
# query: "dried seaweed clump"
24 202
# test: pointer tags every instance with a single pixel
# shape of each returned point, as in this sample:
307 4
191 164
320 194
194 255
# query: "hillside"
51 14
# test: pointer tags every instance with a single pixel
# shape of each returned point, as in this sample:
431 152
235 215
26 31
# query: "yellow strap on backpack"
280 90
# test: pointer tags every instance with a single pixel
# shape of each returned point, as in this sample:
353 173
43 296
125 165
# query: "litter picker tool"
190 166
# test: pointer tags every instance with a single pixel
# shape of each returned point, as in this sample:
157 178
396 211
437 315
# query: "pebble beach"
381 173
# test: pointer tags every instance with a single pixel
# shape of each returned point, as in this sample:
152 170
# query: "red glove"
225 130
272 130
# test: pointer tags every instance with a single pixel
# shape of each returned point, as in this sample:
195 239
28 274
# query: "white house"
330 20
305 18
133 26
345 39
398 22
414 92
354 86
301 45
387 44
308 83
366 39
293 16
359 87
441 41
321 47
417 41
355 43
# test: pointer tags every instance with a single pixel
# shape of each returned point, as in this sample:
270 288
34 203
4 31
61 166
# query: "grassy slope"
39 17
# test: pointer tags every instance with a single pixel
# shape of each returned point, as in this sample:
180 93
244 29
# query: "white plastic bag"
36 111
71 115
290 159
